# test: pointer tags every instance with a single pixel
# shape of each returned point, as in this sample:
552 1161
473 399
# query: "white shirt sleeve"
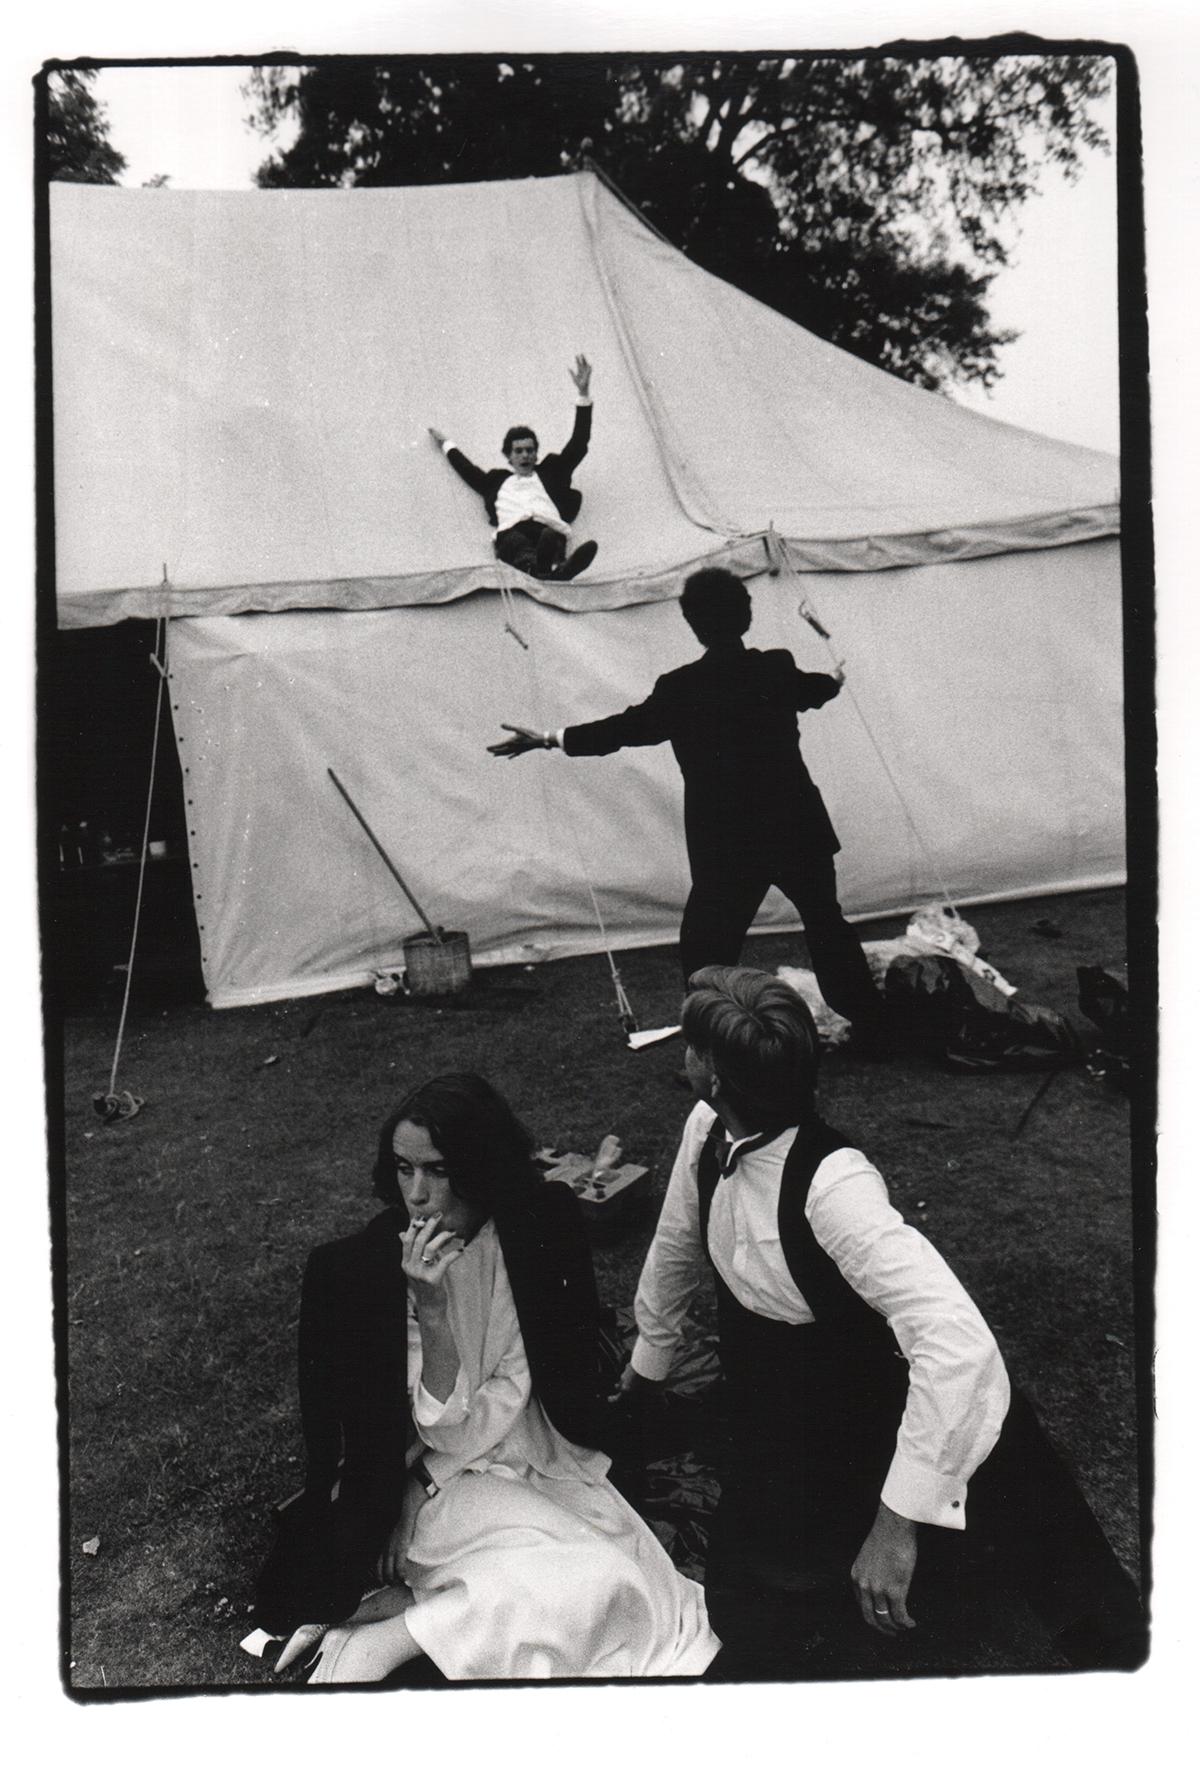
674 1265
958 1390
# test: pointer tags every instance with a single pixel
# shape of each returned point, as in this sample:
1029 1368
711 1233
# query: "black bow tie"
731 1154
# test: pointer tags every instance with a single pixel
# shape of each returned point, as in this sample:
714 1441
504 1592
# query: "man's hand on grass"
635 1388
883 1571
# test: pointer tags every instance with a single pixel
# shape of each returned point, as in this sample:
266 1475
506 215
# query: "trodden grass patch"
188 1226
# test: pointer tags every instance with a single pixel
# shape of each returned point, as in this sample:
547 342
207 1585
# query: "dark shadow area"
100 691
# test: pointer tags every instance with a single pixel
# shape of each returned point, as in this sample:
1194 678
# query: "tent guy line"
782 566
115 1105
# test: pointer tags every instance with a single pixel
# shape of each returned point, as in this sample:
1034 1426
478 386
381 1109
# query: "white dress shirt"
526 499
958 1390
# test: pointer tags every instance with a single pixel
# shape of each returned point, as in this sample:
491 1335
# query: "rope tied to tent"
508 606
781 564
113 1105
625 1011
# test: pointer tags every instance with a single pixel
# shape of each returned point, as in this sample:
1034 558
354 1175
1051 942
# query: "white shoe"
301 1642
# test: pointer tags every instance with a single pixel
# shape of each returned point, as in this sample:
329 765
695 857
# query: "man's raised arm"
581 433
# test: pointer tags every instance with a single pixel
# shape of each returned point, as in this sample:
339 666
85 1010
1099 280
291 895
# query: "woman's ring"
426 1259
881 1611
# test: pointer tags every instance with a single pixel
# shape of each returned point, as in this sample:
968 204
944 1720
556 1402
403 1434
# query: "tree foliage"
78 149
869 198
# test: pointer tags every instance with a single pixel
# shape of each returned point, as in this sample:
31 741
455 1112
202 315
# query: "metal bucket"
432 969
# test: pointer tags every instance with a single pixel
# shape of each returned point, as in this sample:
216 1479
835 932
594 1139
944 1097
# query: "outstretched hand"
581 373
520 741
437 435
883 1571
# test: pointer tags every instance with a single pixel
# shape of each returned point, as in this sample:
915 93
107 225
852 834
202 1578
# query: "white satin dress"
528 1564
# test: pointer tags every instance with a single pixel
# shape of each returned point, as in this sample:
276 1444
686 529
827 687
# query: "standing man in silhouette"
752 815
533 503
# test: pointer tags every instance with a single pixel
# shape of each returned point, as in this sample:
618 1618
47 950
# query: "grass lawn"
187 1228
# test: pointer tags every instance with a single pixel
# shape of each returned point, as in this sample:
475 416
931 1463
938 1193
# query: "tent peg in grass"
116 1106
1035 1100
634 1038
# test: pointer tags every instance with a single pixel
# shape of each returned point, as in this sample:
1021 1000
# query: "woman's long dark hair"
487 1151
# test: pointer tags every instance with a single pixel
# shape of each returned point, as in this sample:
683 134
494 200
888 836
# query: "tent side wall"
977 746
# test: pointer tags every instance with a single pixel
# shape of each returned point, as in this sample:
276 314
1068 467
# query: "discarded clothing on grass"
934 930
944 998
937 1004
1104 1000
671 1454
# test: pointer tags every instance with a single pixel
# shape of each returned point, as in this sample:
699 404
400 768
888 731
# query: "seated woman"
476 1516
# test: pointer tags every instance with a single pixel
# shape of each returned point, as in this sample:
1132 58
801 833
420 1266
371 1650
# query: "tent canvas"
242 386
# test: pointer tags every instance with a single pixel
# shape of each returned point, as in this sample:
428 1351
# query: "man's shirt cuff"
447 446
651 1363
922 1495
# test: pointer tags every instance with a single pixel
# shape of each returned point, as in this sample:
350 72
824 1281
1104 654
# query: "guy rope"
781 565
113 1105
625 1012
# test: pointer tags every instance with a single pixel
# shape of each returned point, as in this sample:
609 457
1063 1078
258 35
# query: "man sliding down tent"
532 505
752 815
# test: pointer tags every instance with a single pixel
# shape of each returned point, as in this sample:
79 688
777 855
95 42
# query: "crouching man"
867 1403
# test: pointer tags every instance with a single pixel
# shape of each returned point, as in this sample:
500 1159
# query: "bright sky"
1060 293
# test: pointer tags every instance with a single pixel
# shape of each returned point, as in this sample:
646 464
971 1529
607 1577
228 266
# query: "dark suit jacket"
554 471
353 1344
731 719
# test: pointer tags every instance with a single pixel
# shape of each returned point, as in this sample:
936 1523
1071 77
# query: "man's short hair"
716 604
761 1039
518 432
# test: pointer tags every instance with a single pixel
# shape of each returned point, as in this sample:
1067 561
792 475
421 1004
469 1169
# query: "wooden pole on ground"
366 827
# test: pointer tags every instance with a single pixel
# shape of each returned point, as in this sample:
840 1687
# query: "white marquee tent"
242 388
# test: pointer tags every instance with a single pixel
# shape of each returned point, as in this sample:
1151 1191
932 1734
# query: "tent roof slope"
244 380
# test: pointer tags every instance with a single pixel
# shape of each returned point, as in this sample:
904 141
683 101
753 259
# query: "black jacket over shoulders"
554 471
730 718
353 1343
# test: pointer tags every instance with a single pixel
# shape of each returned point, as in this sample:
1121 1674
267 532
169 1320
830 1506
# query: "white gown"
528 1564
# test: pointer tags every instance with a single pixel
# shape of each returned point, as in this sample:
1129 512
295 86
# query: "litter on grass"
935 930
643 1038
608 1190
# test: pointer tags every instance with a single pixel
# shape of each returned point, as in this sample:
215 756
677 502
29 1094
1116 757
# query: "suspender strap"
708 1172
827 1293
